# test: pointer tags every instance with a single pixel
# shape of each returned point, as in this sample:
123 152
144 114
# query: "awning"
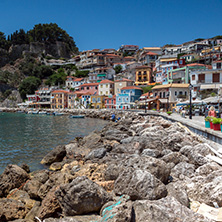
210 86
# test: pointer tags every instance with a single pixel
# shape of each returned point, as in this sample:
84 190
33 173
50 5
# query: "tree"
57 78
118 69
28 86
81 73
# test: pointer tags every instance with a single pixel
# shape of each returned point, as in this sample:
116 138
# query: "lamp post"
190 113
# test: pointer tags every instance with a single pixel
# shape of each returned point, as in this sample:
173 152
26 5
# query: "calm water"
26 138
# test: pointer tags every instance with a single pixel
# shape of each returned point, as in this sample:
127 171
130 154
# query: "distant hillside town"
130 77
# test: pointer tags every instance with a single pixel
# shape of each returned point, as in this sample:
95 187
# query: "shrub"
169 112
216 120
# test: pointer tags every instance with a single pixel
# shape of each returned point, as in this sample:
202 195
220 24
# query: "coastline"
127 167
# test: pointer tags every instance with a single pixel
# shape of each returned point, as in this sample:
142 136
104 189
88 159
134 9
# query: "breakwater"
141 168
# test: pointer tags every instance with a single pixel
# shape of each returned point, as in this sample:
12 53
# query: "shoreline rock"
155 164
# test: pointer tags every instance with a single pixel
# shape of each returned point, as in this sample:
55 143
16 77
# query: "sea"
27 138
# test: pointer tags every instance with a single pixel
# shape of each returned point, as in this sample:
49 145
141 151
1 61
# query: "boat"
57 114
77 116
35 112
42 112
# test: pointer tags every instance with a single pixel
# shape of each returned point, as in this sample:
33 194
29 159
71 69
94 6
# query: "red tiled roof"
78 79
60 91
131 87
151 53
86 92
142 67
195 64
106 81
89 84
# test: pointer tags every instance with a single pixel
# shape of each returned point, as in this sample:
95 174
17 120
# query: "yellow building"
143 75
98 102
59 99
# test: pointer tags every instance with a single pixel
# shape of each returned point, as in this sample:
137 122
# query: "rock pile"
142 168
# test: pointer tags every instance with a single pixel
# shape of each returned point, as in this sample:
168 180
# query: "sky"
99 24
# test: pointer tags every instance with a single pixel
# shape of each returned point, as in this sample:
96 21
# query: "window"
218 65
101 86
175 93
106 92
185 93
216 77
201 78
124 91
106 85
181 62
127 99
119 99
144 72
163 94
160 94
193 77
180 93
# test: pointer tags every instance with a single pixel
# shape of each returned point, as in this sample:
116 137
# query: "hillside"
22 56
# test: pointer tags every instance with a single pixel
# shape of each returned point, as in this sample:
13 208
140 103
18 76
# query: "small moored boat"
57 114
77 116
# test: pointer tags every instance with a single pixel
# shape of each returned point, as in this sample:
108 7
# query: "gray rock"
207 169
139 185
178 191
150 152
56 155
42 176
183 169
12 177
193 156
175 157
96 154
33 212
32 188
81 196
166 209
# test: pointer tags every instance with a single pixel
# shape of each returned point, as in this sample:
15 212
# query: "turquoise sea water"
26 138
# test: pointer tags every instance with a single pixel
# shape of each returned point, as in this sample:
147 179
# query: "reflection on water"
26 138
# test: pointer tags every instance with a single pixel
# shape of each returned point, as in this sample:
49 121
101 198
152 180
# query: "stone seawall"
141 168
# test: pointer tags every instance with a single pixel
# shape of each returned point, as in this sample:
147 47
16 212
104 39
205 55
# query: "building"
110 102
106 87
209 79
89 86
73 82
129 49
190 57
143 75
169 94
119 84
99 74
128 96
72 100
59 99
98 101
148 58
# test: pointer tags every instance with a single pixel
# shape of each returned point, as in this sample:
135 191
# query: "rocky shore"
141 168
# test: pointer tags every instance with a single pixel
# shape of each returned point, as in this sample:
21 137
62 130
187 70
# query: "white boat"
57 114
35 112
42 112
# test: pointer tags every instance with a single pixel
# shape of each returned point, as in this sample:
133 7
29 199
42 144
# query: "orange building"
143 75
59 99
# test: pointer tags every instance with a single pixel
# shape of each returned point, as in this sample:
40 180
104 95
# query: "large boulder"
55 155
121 210
91 141
139 185
11 210
166 209
50 205
32 188
96 154
206 189
182 170
155 166
12 177
81 196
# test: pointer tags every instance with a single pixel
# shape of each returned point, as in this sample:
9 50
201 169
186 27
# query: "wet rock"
25 167
96 154
183 169
12 177
81 196
139 185
166 209
56 155
50 205
11 210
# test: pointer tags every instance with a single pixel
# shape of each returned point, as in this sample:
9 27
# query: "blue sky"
111 23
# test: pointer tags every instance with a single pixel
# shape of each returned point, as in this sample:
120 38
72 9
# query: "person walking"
212 112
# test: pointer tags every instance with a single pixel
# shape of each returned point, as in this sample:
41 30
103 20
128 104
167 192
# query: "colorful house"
106 87
143 75
119 84
126 99
98 101
110 102
59 99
